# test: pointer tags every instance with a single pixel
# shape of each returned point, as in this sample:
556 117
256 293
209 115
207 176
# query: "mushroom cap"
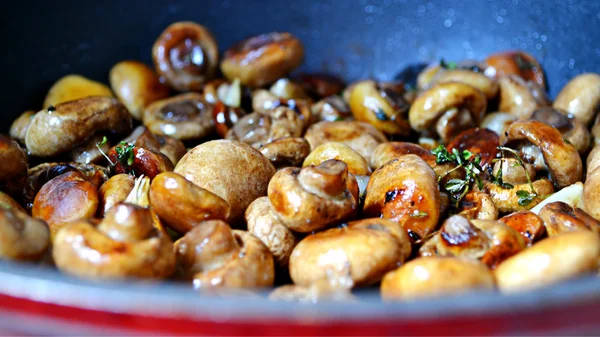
580 97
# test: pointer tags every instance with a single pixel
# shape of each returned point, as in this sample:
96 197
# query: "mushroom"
512 172
320 84
21 236
572 129
113 191
595 130
560 217
498 121
477 205
128 158
220 90
73 87
216 256
18 128
62 127
313 197
361 137
550 261
136 85
446 109
184 117
428 76
171 147
183 205
233 170
406 191
352 256
515 62
13 171
520 98
489 241
528 224
381 107
225 117
264 224
509 200
481 142
186 55
357 165
8 202
580 97
331 109
435 276
91 151
64 199
593 160
262 59
287 151
477 80
124 245
286 89
561 158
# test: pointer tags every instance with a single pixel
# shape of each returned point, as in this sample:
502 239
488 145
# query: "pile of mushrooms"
299 187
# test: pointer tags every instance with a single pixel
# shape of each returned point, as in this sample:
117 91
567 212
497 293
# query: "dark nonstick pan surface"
45 40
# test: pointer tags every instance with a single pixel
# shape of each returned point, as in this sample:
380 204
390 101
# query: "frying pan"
385 39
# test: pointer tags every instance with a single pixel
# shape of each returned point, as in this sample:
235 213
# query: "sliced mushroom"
186 55
136 85
356 255
124 245
73 87
446 109
13 171
313 197
185 117
528 224
517 63
59 129
572 129
217 257
520 98
113 191
560 217
405 190
21 236
357 165
262 59
580 97
18 128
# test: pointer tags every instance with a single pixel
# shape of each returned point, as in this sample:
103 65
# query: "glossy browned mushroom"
128 158
475 79
508 200
186 55
13 171
560 217
73 87
225 117
580 97
357 165
91 151
515 62
477 205
498 121
479 141
262 59
331 109
520 98
113 191
572 129
528 224
8 202
18 128
287 151
21 236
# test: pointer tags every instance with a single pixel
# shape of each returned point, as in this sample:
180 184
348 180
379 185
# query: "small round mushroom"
21 236
286 89
515 62
357 165
436 276
13 171
356 255
136 85
489 241
62 127
508 200
381 107
561 158
225 117
571 128
497 121
64 199
183 205
427 77
405 190
528 224
580 97
186 55
124 245
287 151
113 191
184 117
446 109
477 80
73 87
361 137
559 217
18 128
216 256
264 224
262 59
520 98
171 147
481 142
313 197
233 170
331 109
128 158
550 261
258 129
512 172
91 151
593 160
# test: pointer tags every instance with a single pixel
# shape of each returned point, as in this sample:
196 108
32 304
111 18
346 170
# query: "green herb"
466 160
567 141
380 114
447 65
125 153
51 108
5 205
99 146
525 198
418 214
338 118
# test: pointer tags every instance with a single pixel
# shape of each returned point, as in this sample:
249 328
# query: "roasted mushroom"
225 117
520 98
287 151
186 55
62 127
171 147
477 205
560 217
357 165
572 129
21 236
8 202
184 117
515 62
73 87
13 171
91 151
128 158
498 121
331 109
262 59
124 245
215 256
18 128
136 85
528 224
480 142
475 79
356 255
286 89
519 197
113 191
580 97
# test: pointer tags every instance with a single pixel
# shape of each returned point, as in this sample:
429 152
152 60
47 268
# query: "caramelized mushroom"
262 59
286 89
127 158
225 117
357 165
481 142
9 203
21 236
287 151
591 193
258 129
91 151
528 224
186 55
331 109
18 128
73 87
515 62
572 129
498 121
13 171
171 147
113 191
560 217
512 172
477 80
508 200
580 97
520 98
478 205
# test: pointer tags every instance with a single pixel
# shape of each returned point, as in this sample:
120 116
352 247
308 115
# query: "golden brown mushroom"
405 190
186 55
571 128
528 224
477 205
509 200
73 87
18 128
21 236
124 245
515 62
91 151
287 151
113 191
357 165
520 98
13 170
481 142
128 158
560 217
477 80
313 197
356 255
286 89
446 109
498 121
580 97
136 85
62 127
262 59
217 257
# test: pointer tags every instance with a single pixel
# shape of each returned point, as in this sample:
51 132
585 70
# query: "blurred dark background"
45 40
